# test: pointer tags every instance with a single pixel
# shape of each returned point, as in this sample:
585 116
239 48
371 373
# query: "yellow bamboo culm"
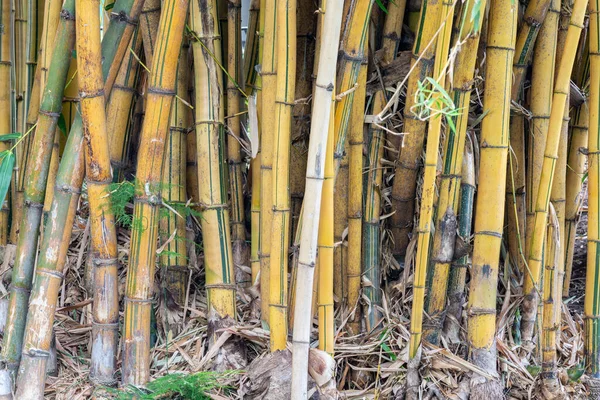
325 245
531 287
551 296
352 53
5 102
280 229
172 222
591 306
576 168
355 191
493 158
210 134
120 107
267 129
542 83
140 276
103 232
446 214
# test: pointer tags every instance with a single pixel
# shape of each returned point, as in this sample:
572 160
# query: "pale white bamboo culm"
307 255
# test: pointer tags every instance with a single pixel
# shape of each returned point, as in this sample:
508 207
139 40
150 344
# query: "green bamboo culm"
35 187
57 229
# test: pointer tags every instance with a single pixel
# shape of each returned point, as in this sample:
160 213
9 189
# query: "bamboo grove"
380 198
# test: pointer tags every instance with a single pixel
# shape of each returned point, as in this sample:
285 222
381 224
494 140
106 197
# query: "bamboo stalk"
516 190
592 289
542 83
576 159
149 22
120 107
6 112
325 249
55 243
558 199
352 53
251 58
20 94
354 211
105 310
297 233
458 269
551 296
140 276
576 168
305 56
234 153
35 187
33 104
533 18
280 234
405 180
324 89
561 91
443 245
255 172
371 229
172 224
269 86
210 132
491 196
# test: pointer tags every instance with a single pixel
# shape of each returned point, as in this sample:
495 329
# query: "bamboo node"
104 262
49 113
37 353
489 233
506 48
128 299
481 311
19 289
105 325
33 204
224 286
309 265
51 273
123 17
161 91
91 95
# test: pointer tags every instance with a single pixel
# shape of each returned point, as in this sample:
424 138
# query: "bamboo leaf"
10 136
380 4
7 162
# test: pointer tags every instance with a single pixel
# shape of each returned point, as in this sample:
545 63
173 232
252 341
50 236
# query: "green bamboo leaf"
575 373
380 4
10 136
450 123
7 163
